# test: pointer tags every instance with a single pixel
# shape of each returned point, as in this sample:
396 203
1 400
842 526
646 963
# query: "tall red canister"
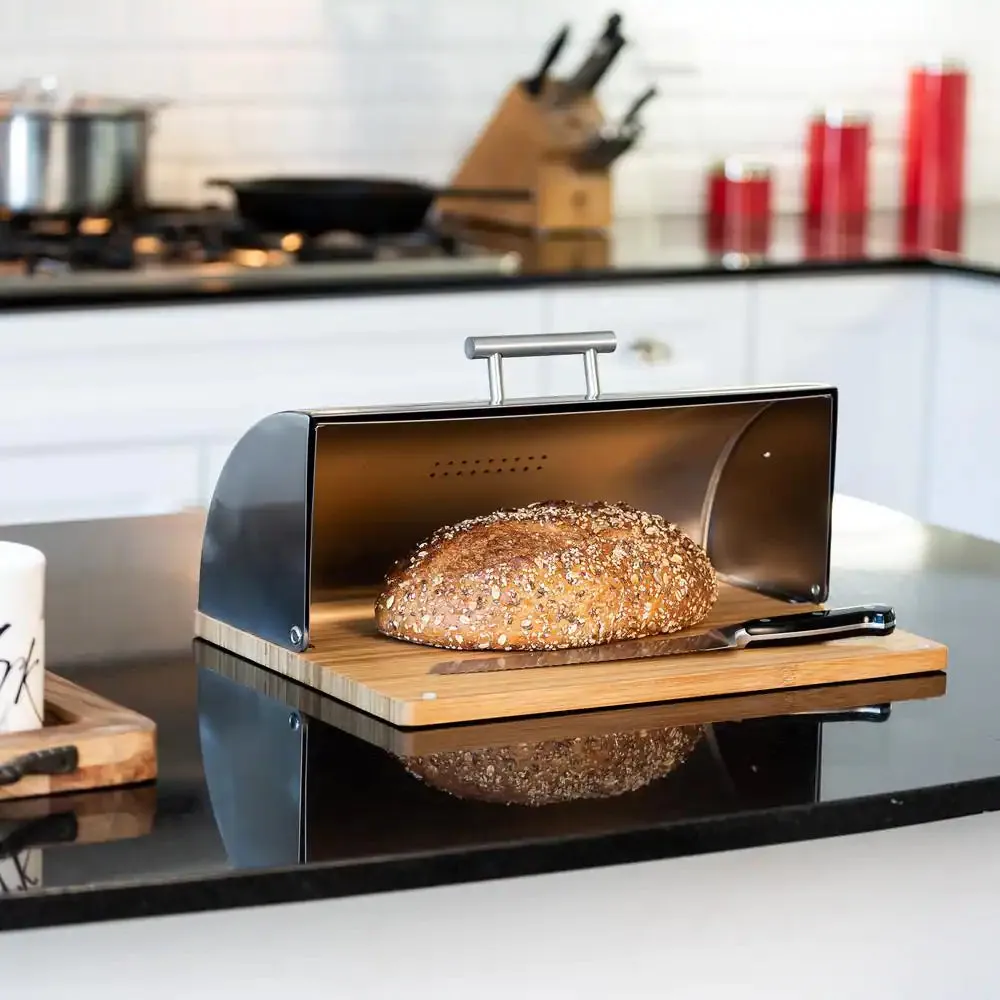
934 152
836 182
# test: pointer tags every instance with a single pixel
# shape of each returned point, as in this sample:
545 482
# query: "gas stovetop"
198 241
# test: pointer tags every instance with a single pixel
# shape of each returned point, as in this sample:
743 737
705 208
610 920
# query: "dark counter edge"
30 300
335 880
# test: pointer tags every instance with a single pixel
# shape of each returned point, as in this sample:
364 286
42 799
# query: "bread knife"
779 630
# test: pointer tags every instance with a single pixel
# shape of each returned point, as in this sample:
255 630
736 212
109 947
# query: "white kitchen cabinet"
671 336
869 336
94 383
94 482
168 371
963 481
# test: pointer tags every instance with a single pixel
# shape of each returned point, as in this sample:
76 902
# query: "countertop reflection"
269 792
636 248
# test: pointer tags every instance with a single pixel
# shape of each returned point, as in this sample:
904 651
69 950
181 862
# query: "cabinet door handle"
651 352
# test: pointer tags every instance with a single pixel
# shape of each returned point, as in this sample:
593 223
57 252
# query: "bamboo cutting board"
417 742
392 680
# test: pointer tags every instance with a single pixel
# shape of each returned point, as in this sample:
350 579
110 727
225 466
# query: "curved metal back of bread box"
313 505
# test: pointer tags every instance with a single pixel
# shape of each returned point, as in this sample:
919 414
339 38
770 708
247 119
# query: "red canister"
836 182
934 154
738 207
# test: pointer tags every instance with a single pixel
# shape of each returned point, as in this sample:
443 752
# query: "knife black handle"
597 63
817 626
54 760
533 85
867 713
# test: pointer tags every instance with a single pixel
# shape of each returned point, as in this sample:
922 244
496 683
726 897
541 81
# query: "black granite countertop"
654 248
269 793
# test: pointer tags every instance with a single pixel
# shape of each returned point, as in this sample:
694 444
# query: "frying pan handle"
541 345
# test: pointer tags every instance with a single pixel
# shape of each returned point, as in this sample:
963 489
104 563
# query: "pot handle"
541 345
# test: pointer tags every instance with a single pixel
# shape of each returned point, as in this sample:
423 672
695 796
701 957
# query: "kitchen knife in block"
596 65
535 84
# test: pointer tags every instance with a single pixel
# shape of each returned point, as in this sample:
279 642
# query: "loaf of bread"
537 774
552 575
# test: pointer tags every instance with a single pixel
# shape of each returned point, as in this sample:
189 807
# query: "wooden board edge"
61 691
666 714
561 726
299 669
931 657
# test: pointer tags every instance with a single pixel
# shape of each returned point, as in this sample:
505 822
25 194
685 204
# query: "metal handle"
54 760
541 345
817 626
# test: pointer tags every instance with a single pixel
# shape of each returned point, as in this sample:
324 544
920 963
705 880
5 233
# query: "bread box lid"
315 503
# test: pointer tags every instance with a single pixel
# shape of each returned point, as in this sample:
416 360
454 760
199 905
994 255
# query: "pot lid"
99 104
42 95
36 94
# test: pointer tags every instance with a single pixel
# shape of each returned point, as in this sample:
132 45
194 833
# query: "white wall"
402 85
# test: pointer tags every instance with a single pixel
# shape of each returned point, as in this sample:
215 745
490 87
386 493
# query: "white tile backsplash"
401 87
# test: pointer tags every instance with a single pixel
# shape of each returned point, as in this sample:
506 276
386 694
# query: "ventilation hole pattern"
491 466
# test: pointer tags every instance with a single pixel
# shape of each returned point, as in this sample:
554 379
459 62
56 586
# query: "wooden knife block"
530 144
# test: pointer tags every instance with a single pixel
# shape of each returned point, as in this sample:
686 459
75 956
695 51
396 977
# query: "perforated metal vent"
494 465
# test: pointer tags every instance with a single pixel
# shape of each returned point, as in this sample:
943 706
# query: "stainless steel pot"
26 120
106 157
84 154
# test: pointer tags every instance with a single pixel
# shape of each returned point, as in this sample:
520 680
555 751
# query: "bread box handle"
541 345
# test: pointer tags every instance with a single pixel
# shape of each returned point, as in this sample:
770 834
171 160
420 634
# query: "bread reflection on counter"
549 771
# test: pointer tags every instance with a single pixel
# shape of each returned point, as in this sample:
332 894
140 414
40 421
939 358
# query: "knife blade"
779 630
536 83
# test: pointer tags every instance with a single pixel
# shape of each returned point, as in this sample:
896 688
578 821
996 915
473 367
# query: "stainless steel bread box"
313 506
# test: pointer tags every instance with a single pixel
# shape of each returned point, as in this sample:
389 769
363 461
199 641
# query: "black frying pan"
365 206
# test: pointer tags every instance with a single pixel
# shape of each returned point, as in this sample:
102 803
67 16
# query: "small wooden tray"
116 746
392 680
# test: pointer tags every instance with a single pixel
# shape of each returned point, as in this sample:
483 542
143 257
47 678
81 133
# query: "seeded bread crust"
552 575
538 774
